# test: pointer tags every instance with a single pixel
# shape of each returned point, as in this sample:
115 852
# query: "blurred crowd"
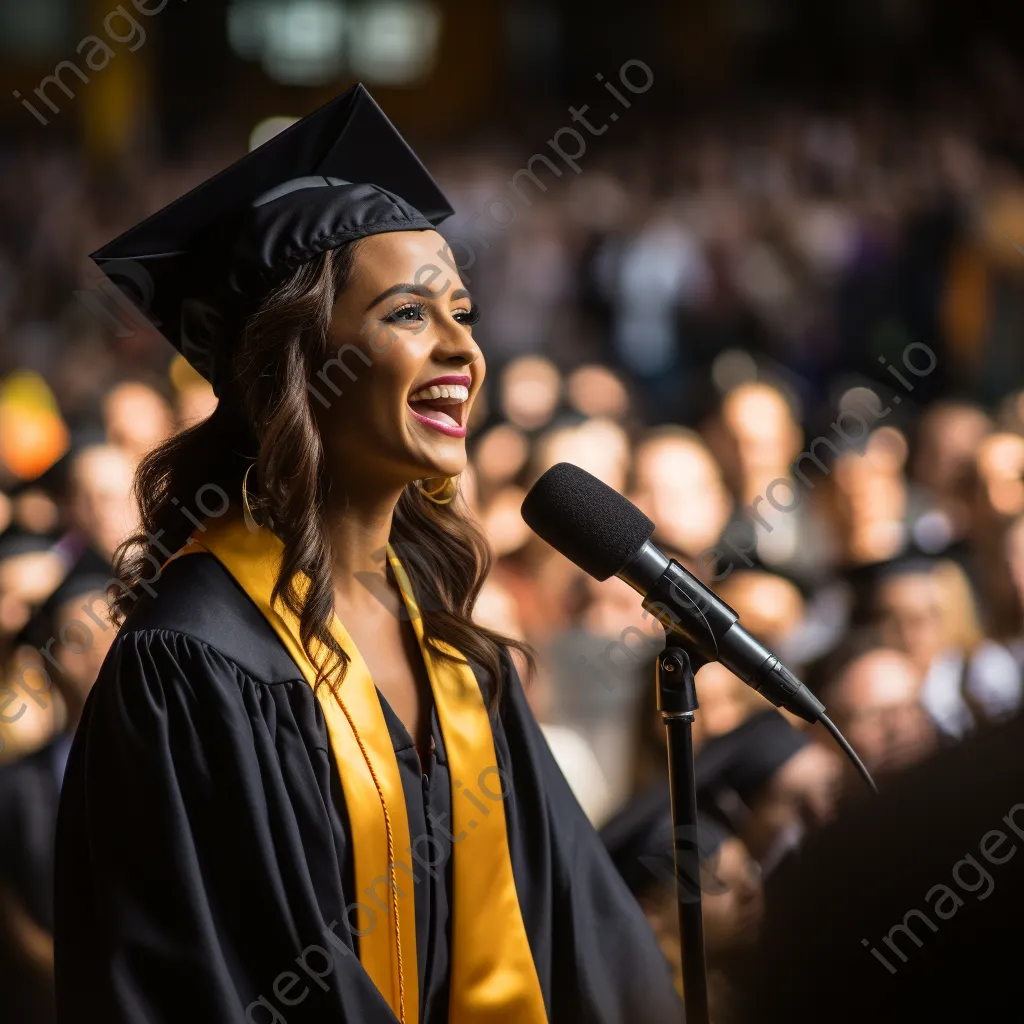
797 343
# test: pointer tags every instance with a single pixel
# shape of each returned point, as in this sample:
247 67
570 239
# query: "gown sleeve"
599 958
198 851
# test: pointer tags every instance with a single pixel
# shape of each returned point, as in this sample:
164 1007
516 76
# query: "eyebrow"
415 289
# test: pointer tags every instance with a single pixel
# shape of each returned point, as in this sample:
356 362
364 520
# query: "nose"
455 347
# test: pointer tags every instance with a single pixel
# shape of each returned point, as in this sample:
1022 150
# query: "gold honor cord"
493 976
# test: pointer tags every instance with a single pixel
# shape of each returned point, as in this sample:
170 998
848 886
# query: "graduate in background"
307 786
30 786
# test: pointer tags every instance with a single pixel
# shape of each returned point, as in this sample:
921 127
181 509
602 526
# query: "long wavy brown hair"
264 416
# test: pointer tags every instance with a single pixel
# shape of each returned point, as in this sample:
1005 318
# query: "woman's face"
393 398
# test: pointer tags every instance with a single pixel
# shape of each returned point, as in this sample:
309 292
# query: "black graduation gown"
203 845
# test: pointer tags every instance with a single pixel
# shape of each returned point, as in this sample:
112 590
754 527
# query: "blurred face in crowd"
732 906
911 616
1000 467
725 702
761 425
871 497
501 453
614 606
530 390
598 446
1015 557
948 440
770 606
137 419
25 581
679 485
82 652
503 522
801 795
874 703
732 898
596 391
30 716
101 483
35 510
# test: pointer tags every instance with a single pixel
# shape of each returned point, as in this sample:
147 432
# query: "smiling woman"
308 706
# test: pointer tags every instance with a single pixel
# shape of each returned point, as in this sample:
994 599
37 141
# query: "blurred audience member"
770 782
30 790
771 609
871 499
678 484
530 389
1015 561
30 568
926 610
998 503
495 609
872 693
947 441
595 390
500 455
137 418
659 269
732 895
601 447
99 496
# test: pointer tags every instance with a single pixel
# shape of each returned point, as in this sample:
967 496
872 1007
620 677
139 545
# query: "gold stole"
493 976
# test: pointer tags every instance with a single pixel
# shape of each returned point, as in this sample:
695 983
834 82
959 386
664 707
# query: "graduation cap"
197 267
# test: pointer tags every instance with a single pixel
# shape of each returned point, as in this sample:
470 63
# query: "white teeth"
457 393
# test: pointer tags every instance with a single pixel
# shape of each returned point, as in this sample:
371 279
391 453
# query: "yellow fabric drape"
493 976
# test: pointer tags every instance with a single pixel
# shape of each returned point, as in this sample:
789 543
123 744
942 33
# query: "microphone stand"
677 702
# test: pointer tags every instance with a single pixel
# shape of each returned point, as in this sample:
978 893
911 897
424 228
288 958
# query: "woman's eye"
405 314
467 316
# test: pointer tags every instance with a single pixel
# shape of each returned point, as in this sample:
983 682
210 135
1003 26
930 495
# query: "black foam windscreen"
586 520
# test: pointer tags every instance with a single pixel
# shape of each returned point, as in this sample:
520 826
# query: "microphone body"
711 628
607 535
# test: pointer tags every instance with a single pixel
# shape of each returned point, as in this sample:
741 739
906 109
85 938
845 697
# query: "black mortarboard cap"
340 174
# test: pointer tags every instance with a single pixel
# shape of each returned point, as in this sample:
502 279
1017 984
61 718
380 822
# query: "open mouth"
441 404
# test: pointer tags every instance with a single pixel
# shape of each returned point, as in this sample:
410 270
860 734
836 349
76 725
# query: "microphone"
607 535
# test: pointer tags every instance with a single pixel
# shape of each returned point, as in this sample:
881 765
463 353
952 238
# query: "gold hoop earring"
250 520
442 495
